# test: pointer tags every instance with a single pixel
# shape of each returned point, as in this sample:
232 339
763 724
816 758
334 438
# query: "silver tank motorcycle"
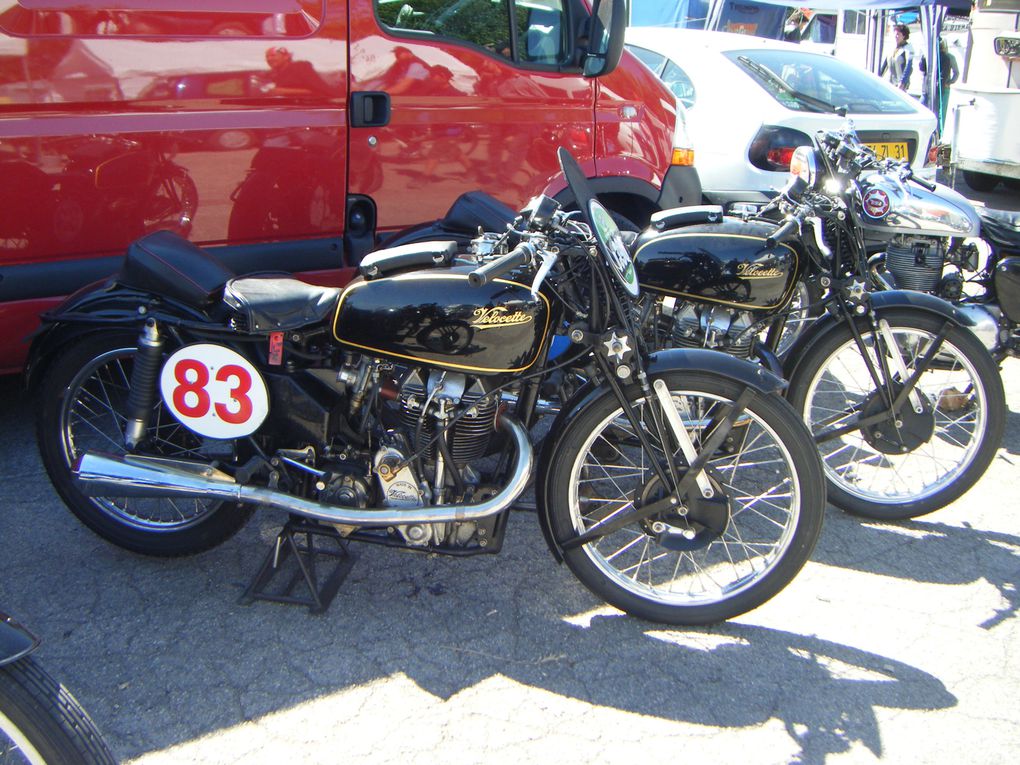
41 723
680 487
930 238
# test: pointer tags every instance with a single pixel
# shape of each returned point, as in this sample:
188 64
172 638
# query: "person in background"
900 63
948 73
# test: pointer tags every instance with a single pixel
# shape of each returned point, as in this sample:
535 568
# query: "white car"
751 102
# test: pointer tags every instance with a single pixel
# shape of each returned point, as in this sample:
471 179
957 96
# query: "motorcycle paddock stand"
302 560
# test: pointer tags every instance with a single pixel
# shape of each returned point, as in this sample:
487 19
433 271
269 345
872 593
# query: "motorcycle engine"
715 327
916 262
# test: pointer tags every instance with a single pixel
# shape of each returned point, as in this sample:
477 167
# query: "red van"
295 134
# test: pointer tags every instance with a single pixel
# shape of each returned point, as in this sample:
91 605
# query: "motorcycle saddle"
418 254
167 264
1001 227
279 303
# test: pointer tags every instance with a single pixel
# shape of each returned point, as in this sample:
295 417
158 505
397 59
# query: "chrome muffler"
107 475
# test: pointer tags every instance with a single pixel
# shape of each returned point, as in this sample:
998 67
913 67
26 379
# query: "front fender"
15 640
883 303
663 362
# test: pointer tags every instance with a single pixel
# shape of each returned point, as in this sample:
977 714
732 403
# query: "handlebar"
789 227
518 256
922 182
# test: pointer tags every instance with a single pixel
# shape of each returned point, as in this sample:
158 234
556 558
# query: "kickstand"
302 558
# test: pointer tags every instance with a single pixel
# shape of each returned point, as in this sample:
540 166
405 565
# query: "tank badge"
499 316
876 203
755 271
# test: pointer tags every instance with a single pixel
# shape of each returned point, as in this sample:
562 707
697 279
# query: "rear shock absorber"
148 356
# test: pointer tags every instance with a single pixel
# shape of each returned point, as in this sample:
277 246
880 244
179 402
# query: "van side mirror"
605 42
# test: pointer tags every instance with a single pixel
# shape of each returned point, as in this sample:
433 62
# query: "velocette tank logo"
876 204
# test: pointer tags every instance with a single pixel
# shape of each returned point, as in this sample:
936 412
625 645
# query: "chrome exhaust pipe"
106 475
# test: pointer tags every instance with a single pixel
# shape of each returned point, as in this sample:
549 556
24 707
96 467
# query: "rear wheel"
82 408
745 546
41 723
921 460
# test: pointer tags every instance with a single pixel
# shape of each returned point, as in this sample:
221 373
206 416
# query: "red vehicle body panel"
115 122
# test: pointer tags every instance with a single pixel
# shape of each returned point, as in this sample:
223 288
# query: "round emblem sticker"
876 203
214 391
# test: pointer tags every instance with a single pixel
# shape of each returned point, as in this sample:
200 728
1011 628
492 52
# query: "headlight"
803 165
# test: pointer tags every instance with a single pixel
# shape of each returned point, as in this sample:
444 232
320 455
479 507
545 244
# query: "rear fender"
884 303
659 364
102 307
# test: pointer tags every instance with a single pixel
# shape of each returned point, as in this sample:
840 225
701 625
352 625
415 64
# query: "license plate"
897 150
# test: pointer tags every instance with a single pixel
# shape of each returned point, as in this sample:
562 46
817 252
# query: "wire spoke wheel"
709 559
933 450
85 404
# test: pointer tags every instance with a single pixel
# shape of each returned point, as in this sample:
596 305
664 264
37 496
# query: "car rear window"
814 83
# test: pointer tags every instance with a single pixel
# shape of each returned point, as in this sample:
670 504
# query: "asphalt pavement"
897 643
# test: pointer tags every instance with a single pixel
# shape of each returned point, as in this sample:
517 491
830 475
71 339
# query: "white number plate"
214 391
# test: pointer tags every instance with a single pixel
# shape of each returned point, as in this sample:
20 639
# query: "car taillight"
772 148
932 156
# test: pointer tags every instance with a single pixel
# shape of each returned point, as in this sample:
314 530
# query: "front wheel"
931 452
42 724
767 483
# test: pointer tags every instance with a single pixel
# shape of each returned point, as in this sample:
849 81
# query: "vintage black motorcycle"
679 486
904 402
41 723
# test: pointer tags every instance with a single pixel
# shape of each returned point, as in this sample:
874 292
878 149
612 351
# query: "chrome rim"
951 387
758 479
15 748
93 419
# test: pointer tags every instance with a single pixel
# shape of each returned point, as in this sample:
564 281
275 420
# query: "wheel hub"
694 524
903 433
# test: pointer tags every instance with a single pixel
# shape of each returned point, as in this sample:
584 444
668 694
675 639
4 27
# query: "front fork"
142 394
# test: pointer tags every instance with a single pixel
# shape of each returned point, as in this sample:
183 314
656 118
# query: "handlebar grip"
922 182
518 256
783 233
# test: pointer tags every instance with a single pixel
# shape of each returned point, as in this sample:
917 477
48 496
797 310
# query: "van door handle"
370 109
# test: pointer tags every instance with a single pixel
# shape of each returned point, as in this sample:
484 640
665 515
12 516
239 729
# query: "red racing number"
239 394
191 398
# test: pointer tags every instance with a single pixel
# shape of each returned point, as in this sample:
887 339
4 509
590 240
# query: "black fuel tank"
437 317
1007 287
725 263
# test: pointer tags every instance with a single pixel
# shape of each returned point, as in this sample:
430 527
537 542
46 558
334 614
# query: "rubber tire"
988 373
788 426
46 714
216 528
980 181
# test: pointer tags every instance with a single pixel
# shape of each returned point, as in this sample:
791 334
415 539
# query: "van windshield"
810 82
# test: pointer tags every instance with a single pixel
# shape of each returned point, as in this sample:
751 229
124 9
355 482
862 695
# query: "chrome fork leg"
683 438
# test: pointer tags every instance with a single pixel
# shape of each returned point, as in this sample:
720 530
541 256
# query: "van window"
161 18
855 22
537 36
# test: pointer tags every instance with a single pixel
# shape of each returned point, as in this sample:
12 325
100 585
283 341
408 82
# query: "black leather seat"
279 303
170 265
1001 227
